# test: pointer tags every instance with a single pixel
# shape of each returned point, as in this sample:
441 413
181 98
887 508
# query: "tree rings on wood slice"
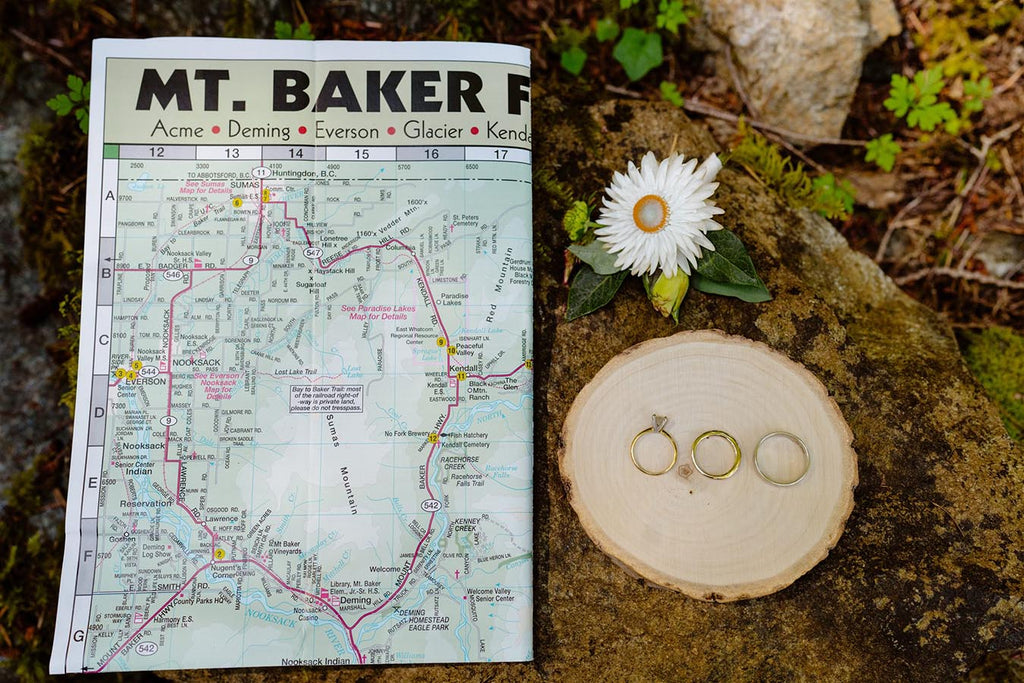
714 539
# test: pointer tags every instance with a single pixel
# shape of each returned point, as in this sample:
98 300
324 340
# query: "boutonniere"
657 222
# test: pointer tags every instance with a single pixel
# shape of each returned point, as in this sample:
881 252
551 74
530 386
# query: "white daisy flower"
656 217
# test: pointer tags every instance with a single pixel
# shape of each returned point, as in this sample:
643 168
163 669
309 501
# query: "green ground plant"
956 33
951 38
638 29
75 100
824 194
283 30
916 100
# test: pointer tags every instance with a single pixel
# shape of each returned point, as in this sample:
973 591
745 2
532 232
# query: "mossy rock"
928 575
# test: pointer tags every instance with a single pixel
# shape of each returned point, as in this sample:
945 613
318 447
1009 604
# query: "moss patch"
996 358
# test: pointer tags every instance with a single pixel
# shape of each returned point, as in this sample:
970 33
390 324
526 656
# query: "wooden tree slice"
718 540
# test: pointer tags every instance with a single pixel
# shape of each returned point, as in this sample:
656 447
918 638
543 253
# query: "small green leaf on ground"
674 13
590 291
596 256
638 52
900 98
573 60
670 93
61 104
729 262
919 101
283 31
975 94
929 83
75 86
882 151
833 198
607 29
303 32
83 119
928 117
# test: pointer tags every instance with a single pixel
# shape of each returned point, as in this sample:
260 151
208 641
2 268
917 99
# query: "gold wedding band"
735 448
795 439
657 427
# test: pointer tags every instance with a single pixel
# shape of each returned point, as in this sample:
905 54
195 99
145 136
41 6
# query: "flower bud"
667 293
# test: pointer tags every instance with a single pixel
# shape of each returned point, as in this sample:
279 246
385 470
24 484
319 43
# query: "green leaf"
975 94
929 116
590 291
61 104
282 30
919 101
929 83
953 125
303 32
670 93
83 119
900 99
729 262
626 4
882 151
638 52
607 29
86 90
573 60
833 198
754 294
672 14
75 84
596 256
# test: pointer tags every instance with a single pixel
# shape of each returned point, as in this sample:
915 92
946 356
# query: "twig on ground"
1009 82
1011 172
738 83
696 106
894 224
915 22
623 91
1016 269
796 152
957 274
47 50
957 205
77 181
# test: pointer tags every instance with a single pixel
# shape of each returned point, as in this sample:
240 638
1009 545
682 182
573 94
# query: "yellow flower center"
650 213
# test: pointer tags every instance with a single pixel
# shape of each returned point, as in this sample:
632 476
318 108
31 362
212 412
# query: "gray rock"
1001 252
800 60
